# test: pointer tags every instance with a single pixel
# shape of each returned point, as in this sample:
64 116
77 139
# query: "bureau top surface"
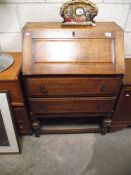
100 26
13 71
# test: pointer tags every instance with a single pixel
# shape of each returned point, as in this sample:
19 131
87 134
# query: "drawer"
72 105
21 120
20 114
21 127
68 86
14 91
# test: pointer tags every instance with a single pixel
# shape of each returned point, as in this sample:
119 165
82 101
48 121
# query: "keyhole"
73 34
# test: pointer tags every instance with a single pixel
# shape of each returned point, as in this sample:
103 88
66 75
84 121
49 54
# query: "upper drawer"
78 86
14 91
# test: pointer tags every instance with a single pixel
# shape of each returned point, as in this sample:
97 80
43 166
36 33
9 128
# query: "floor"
71 154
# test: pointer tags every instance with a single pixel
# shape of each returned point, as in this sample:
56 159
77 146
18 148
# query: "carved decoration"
79 12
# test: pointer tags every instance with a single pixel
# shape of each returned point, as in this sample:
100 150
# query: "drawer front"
72 86
21 120
14 91
67 105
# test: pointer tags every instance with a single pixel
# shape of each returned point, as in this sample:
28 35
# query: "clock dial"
79 11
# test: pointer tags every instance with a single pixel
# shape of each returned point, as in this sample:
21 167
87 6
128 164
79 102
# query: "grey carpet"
72 154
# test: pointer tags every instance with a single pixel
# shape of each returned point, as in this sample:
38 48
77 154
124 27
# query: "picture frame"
8 137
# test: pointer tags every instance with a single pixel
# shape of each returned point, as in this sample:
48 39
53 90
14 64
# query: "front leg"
36 127
105 125
35 124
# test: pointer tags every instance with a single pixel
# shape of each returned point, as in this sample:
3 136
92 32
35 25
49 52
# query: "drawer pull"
21 126
103 88
73 34
44 108
42 89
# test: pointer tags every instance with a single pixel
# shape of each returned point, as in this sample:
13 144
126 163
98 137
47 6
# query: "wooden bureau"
10 81
72 72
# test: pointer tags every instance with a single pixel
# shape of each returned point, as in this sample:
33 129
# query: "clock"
79 12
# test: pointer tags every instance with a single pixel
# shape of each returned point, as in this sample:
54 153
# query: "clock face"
79 11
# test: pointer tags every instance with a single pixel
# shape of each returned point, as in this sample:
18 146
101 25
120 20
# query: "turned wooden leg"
103 131
36 127
35 124
105 126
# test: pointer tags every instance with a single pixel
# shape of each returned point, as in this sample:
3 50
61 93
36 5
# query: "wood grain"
98 50
67 105
73 86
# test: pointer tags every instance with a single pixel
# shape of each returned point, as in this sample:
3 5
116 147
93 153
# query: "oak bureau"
72 72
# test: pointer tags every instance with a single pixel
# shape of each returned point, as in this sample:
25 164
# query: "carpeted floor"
72 154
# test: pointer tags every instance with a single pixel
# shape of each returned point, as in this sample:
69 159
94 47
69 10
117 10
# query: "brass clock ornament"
79 12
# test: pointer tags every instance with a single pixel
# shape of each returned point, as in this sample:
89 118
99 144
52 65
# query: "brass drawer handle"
44 108
42 89
103 88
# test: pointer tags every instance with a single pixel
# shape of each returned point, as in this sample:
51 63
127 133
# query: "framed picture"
8 137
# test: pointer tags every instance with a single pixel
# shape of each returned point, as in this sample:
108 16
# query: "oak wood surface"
10 81
70 131
127 76
122 115
21 120
123 110
73 51
71 71
100 26
92 58
67 105
12 72
14 91
73 86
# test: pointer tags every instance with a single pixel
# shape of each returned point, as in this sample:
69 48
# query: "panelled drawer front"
67 105
58 86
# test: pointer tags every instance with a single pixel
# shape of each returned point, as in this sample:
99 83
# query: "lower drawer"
72 105
21 120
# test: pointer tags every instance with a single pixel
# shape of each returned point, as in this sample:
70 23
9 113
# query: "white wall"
15 13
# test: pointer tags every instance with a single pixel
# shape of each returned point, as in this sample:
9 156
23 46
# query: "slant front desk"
72 72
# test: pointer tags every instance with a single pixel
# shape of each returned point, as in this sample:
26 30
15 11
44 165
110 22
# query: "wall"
15 13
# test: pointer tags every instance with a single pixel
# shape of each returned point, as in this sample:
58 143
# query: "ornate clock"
79 12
